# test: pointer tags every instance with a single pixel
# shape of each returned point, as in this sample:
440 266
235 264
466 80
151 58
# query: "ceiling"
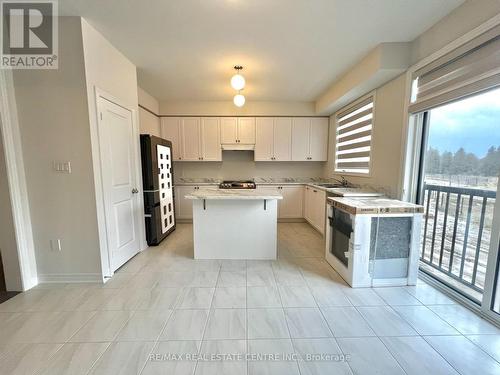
291 50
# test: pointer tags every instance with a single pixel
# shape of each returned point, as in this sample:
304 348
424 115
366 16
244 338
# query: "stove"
237 185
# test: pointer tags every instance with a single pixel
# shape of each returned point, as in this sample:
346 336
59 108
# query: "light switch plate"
61 166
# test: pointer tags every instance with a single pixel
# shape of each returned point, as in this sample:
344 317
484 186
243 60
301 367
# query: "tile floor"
165 313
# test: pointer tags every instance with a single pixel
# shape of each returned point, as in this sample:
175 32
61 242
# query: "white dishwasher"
373 241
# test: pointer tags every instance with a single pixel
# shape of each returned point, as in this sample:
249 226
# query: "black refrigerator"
157 181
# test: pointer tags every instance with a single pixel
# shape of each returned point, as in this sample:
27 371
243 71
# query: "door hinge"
100 115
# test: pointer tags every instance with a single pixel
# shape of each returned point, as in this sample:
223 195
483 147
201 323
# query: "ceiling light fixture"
238 81
239 100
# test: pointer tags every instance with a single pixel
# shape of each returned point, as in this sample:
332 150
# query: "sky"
472 123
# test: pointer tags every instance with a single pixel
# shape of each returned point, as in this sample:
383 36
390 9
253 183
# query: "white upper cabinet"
282 144
264 139
170 130
198 138
246 130
319 139
210 139
228 130
190 135
240 130
273 139
301 130
310 139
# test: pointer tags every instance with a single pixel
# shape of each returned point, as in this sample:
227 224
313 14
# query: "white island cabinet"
234 224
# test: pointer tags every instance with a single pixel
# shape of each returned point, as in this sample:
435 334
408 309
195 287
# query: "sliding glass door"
459 172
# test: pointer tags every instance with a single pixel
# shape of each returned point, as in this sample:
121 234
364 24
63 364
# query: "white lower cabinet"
314 208
298 202
183 206
292 204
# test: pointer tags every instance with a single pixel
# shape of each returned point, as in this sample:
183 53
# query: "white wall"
240 165
54 125
149 122
107 69
148 101
227 108
110 72
388 143
461 20
8 244
386 140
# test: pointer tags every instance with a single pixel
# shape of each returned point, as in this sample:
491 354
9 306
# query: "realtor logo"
29 34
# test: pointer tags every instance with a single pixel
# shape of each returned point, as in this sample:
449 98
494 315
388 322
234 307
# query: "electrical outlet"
61 166
55 245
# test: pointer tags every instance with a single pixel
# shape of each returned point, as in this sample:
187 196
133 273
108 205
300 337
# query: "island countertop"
214 193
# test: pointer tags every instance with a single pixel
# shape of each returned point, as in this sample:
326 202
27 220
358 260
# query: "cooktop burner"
237 185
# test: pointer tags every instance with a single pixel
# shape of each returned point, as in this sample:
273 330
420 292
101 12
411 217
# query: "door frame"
409 183
16 177
106 269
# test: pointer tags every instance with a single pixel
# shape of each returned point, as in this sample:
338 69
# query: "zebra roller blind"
469 69
353 138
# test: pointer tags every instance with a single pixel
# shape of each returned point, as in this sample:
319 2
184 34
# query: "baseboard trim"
292 220
70 278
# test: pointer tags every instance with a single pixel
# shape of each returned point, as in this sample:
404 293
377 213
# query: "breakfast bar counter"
234 223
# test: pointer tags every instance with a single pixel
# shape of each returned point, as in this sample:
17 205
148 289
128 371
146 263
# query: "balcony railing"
456 235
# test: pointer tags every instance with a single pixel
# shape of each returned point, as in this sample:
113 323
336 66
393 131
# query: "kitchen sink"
330 186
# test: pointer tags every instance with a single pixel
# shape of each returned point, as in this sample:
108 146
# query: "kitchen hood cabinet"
310 139
238 133
193 138
273 139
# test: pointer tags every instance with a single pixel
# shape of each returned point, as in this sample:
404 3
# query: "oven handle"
340 226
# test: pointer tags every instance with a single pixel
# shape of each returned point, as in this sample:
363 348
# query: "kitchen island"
235 224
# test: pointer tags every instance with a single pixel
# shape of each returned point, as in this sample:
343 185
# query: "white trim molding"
107 271
17 181
70 278
405 189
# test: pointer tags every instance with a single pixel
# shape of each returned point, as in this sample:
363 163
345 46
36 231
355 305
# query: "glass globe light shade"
238 82
239 100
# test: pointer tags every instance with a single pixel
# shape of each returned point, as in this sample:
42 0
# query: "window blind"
469 69
353 138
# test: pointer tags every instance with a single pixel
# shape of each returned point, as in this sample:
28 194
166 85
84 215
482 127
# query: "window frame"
373 95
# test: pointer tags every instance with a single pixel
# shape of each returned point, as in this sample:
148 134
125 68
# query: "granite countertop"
374 205
213 193
258 180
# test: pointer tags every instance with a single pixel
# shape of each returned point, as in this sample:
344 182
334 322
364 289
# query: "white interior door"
117 148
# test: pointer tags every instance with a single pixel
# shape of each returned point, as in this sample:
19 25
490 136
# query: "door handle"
135 191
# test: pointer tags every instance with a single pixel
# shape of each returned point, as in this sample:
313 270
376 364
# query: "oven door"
340 232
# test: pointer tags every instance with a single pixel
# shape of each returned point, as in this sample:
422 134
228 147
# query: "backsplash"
239 165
